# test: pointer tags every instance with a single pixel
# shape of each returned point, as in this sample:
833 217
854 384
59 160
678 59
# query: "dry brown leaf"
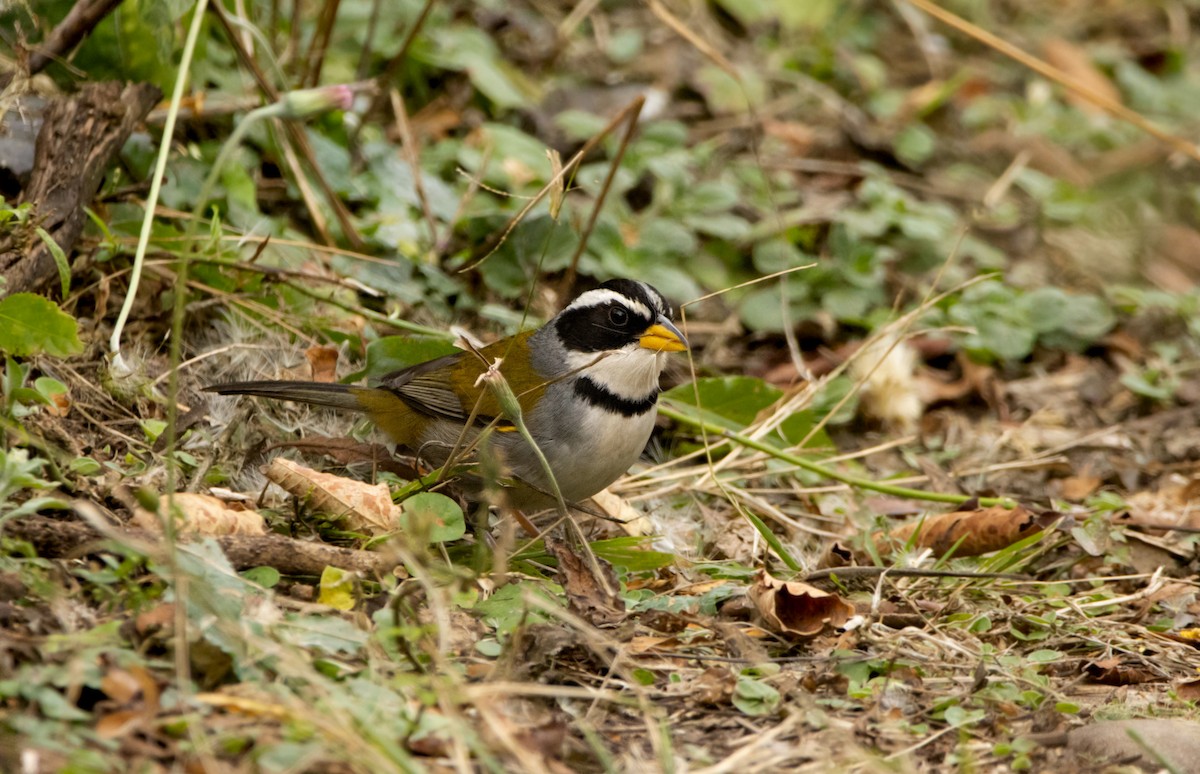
156 619
244 705
633 521
1188 690
135 695
363 507
982 531
60 405
1075 62
593 598
797 609
1080 486
1114 671
203 514
323 362
715 685
799 137
113 725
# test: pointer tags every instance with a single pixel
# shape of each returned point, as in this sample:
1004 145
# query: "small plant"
19 473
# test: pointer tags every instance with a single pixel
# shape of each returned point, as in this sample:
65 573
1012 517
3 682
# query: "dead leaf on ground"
595 599
797 609
1080 486
1115 671
1188 690
970 533
633 521
714 686
323 362
203 514
133 700
363 507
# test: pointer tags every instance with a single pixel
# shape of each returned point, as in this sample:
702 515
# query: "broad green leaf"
754 697
329 633
31 325
506 609
737 399
85 466
265 576
632 553
392 353
433 516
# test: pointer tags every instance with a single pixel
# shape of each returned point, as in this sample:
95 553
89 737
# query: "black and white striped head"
621 314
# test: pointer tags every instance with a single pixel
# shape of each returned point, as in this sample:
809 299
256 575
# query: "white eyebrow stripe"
601 296
663 307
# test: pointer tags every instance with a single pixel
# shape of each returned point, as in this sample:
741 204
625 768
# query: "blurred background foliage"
895 156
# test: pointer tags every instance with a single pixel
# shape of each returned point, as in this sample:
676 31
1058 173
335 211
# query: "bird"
587 383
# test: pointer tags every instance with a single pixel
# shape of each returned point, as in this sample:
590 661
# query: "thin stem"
160 168
821 470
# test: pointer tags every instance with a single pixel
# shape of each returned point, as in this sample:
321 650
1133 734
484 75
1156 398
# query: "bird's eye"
618 316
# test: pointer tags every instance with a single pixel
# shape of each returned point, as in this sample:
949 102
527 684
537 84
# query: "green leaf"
632 553
31 325
267 577
392 353
506 609
60 259
915 144
329 633
754 697
85 466
957 716
433 516
735 399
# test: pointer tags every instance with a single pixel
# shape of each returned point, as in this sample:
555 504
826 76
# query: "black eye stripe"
594 328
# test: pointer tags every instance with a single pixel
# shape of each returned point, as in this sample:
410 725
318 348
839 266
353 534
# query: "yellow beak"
663 336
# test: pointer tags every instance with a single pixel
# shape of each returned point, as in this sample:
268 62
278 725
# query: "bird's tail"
340 396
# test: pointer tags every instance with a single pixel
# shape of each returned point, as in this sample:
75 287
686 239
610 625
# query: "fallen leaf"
203 514
244 705
1113 671
1080 487
617 508
970 533
347 451
797 609
1188 690
363 507
323 362
337 588
596 599
715 685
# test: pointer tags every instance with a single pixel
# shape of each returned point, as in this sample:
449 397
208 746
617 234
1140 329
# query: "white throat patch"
630 372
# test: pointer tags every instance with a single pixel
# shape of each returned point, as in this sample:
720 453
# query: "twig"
75 26
1058 76
634 110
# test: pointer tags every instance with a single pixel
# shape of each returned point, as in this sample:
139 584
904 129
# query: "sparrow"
587 383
